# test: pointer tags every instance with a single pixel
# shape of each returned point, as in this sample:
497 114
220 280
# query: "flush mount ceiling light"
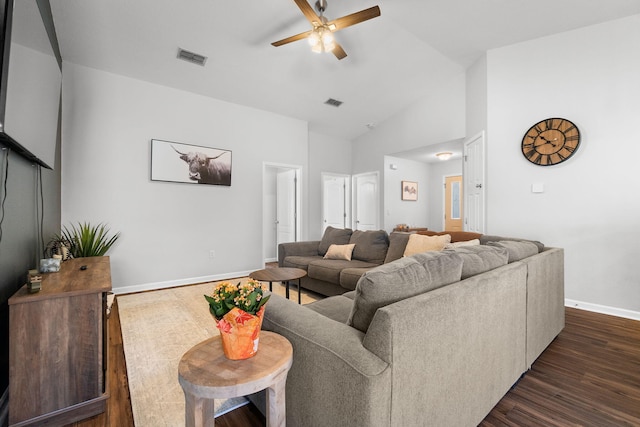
444 155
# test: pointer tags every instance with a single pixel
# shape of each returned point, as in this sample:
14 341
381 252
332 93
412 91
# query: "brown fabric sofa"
433 339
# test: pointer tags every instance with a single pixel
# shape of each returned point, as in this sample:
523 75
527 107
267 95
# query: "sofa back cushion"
401 279
517 250
333 236
480 258
371 245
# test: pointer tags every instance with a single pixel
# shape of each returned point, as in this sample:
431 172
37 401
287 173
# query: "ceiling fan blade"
308 12
292 38
339 52
354 18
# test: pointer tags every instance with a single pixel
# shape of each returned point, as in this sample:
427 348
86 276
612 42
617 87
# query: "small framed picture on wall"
409 190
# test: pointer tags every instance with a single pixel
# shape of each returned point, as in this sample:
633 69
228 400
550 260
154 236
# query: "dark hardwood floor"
588 376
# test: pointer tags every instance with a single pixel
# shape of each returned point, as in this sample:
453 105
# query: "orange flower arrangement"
238 311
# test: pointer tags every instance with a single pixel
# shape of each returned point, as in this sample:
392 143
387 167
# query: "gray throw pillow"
399 280
485 239
397 242
371 246
517 249
333 236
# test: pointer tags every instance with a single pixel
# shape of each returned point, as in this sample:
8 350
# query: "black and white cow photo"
193 164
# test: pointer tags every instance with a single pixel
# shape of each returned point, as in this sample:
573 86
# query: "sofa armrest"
309 248
334 380
545 300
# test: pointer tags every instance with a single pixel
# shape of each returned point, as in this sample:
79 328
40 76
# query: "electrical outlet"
212 253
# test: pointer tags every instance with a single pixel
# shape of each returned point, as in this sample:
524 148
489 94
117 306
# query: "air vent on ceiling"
333 102
191 57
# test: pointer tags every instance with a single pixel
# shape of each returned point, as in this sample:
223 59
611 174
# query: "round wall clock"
550 141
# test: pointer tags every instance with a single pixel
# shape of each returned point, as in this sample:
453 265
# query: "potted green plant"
86 240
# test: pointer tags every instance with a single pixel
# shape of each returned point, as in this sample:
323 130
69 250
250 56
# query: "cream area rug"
158 327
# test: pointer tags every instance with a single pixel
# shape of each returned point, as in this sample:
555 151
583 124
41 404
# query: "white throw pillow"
340 252
454 245
419 243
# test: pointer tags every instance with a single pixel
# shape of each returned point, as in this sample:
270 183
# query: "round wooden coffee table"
280 274
206 374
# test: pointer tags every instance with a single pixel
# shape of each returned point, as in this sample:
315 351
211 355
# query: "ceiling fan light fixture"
321 39
314 39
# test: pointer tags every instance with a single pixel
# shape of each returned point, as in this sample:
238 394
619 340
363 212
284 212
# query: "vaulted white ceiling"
392 61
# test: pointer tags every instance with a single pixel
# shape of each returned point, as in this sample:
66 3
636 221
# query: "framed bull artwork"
192 164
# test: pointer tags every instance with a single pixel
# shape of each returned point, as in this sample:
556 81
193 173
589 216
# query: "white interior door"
286 206
335 205
366 201
474 183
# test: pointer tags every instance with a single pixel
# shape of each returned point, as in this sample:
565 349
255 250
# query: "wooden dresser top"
70 280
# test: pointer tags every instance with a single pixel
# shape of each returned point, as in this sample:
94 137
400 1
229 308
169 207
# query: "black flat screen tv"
30 81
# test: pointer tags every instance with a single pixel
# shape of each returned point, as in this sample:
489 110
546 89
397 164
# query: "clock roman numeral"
569 148
537 158
549 123
539 128
573 138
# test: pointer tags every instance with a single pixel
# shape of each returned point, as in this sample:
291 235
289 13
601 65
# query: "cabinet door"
56 352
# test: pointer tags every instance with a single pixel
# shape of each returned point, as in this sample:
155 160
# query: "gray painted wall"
20 248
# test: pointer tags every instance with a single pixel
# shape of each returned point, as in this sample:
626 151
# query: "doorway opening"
280 207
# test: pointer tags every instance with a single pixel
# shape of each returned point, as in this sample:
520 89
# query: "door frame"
481 138
298 205
444 198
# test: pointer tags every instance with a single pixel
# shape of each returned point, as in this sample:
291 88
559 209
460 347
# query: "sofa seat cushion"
336 308
517 249
349 276
481 258
302 262
401 279
333 236
371 245
329 269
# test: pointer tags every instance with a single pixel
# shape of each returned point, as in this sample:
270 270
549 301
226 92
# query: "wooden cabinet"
57 346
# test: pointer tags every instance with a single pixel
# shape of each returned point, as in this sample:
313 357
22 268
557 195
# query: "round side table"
206 374
280 274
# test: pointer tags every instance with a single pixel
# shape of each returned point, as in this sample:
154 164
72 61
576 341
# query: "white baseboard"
270 260
120 290
597 308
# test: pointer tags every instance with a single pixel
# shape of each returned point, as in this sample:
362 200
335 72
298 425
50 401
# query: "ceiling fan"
321 36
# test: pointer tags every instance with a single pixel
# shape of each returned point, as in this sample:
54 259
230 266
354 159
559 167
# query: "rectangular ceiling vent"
333 102
191 57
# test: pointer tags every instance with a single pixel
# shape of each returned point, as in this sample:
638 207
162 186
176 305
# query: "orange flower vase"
240 333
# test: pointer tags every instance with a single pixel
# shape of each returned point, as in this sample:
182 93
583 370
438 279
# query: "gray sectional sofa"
434 339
